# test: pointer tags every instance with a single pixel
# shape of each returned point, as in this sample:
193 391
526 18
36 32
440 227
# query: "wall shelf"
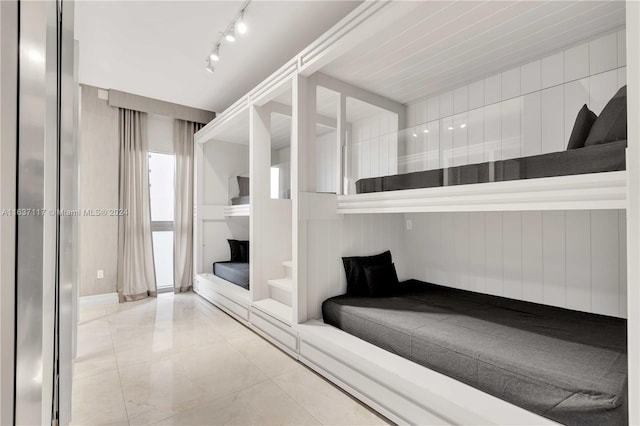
580 192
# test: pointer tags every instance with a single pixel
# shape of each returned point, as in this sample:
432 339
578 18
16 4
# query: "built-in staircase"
280 292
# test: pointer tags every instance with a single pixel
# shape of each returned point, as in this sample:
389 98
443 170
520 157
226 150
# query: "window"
161 174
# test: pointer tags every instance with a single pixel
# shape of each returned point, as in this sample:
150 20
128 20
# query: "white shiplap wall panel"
547 92
493 253
460 143
576 94
475 136
570 259
512 254
553 258
510 128
578 240
552 119
604 268
601 88
532 260
552 70
511 83
348 235
530 77
603 53
531 124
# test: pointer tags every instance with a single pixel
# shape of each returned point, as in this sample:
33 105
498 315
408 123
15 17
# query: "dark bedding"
565 365
234 272
591 159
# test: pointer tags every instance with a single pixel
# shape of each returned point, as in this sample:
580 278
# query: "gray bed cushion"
565 365
234 272
607 157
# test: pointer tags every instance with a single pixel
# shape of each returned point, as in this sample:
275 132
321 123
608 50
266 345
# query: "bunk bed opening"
507 202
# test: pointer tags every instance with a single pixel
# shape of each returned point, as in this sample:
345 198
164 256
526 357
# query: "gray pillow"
243 185
611 125
581 128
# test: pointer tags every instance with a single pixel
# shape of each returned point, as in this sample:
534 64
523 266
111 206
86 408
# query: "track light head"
210 66
231 35
215 55
241 24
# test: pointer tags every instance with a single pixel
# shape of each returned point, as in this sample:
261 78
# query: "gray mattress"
565 365
607 157
234 272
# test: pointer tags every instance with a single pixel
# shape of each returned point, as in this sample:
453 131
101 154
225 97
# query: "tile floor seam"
113 347
296 401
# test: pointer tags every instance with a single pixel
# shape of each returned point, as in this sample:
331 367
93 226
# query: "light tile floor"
178 360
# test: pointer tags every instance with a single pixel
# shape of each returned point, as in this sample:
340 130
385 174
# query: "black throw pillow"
243 186
611 125
353 268
382 280
244 251
234 247
581 128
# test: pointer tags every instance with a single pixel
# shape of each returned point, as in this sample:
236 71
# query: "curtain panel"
136 271
183 207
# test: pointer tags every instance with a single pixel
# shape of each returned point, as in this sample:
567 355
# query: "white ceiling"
442 44
158 48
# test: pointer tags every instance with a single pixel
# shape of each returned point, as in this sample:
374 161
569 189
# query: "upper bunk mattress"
607 157
234 272
236 201
565 365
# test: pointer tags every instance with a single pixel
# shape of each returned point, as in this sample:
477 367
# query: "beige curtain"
183 132
136 273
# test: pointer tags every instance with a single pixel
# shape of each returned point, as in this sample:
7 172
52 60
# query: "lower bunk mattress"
234 272
609 157
568 366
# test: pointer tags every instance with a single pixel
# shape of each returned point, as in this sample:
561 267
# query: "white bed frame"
403 391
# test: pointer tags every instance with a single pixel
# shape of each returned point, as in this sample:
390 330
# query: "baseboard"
98 300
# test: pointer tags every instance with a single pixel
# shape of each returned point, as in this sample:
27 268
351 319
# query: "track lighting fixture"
210 66
237 24
241 25
215 55
231 35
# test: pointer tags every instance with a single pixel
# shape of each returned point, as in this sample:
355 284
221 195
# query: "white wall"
571 259
373 148
222 163
348 235
527 110
326 162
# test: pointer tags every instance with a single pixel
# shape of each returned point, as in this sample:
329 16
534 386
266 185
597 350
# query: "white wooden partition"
320 233
633 209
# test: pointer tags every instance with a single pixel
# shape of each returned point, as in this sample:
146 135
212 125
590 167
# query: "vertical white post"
259 166
198 229
341 144
633 208
303 137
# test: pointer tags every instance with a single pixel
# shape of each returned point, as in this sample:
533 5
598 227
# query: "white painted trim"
215 126
98 300
580 192
400 389
633 211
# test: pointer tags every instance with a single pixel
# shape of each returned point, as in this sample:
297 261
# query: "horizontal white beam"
592 191
282 109
363 95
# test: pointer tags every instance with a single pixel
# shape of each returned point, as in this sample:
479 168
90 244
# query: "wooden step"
282 283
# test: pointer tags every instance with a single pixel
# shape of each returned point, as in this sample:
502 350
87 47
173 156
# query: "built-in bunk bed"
506 301
222 228
493 193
